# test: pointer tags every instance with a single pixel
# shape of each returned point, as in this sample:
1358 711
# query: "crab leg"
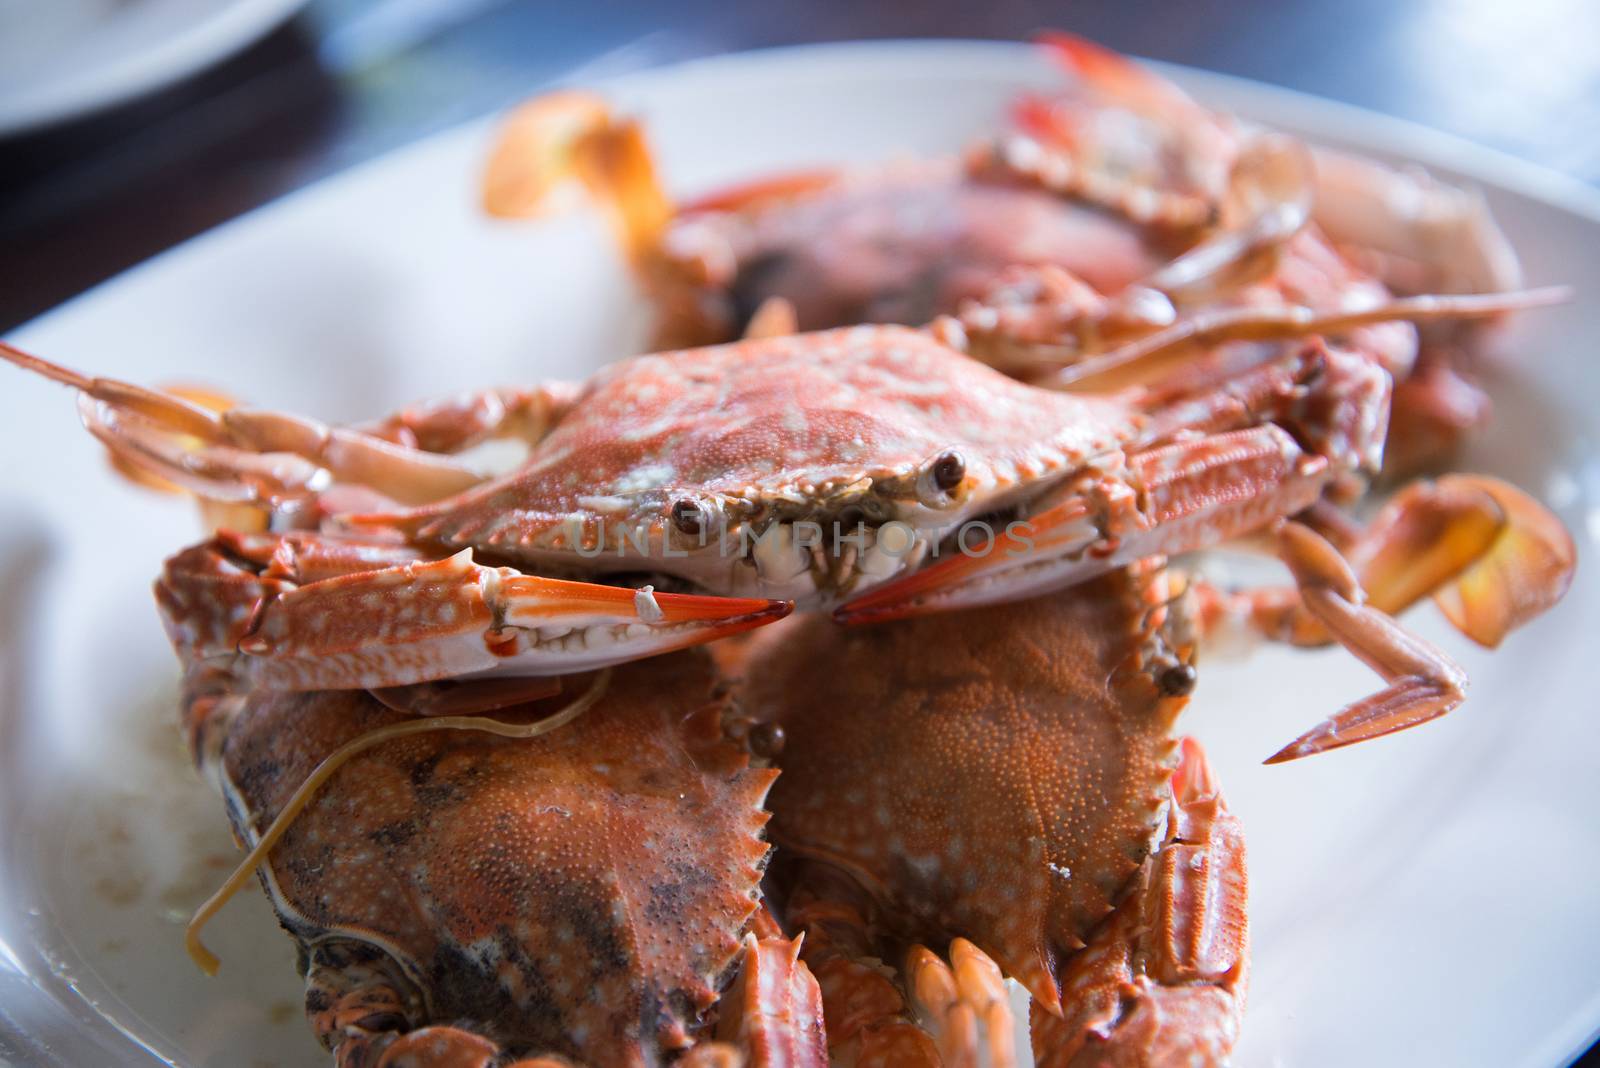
1271 189
773 1013
1277 323
1039 320
241 454
934 1012
964 1005
1435 408
1423 683
256 455
421 621
1163 980
458 423
1406 213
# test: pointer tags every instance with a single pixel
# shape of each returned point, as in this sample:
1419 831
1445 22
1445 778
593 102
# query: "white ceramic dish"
1428 898
63 58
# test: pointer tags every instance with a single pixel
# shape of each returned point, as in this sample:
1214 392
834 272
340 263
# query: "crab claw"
536 154
242 455
566 135
1524 570
418 622
1113 76
1163 980
1491 557
1446 235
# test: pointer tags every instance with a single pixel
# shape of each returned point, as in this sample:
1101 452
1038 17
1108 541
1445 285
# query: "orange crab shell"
895 244
582 893
996 774
776 422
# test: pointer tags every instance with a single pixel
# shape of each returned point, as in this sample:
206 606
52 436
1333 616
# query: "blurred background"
127 126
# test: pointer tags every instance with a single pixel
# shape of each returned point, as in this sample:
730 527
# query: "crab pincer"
415 621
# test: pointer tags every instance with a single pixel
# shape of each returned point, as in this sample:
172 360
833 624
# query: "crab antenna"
53 371
208 961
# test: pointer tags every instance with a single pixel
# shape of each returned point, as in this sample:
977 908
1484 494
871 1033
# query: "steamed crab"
874 469
899 243
375 584
1022 768
1161 215
590 893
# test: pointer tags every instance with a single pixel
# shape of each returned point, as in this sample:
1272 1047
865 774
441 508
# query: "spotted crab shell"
765 426
896 244
581 893
996 774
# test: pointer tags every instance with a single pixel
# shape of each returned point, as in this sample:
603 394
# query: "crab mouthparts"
1027 557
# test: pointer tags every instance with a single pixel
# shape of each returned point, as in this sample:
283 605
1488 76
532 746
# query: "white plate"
64 58
1428 897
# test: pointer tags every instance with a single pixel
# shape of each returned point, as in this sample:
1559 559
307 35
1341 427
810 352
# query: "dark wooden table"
348 80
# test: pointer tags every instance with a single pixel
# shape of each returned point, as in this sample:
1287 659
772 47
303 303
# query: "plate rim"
1401 137
210 40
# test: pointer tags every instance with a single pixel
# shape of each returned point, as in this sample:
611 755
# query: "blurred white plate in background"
60 59
1429 898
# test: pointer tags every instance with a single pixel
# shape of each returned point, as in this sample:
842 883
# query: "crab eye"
688 517
941 477
948 470
1177 680
765 740
382 1021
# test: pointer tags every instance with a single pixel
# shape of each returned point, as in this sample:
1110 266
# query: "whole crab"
1161 214
899 243
1022 766
592 892
875 468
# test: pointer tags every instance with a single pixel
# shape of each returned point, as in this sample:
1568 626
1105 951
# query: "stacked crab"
503 827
